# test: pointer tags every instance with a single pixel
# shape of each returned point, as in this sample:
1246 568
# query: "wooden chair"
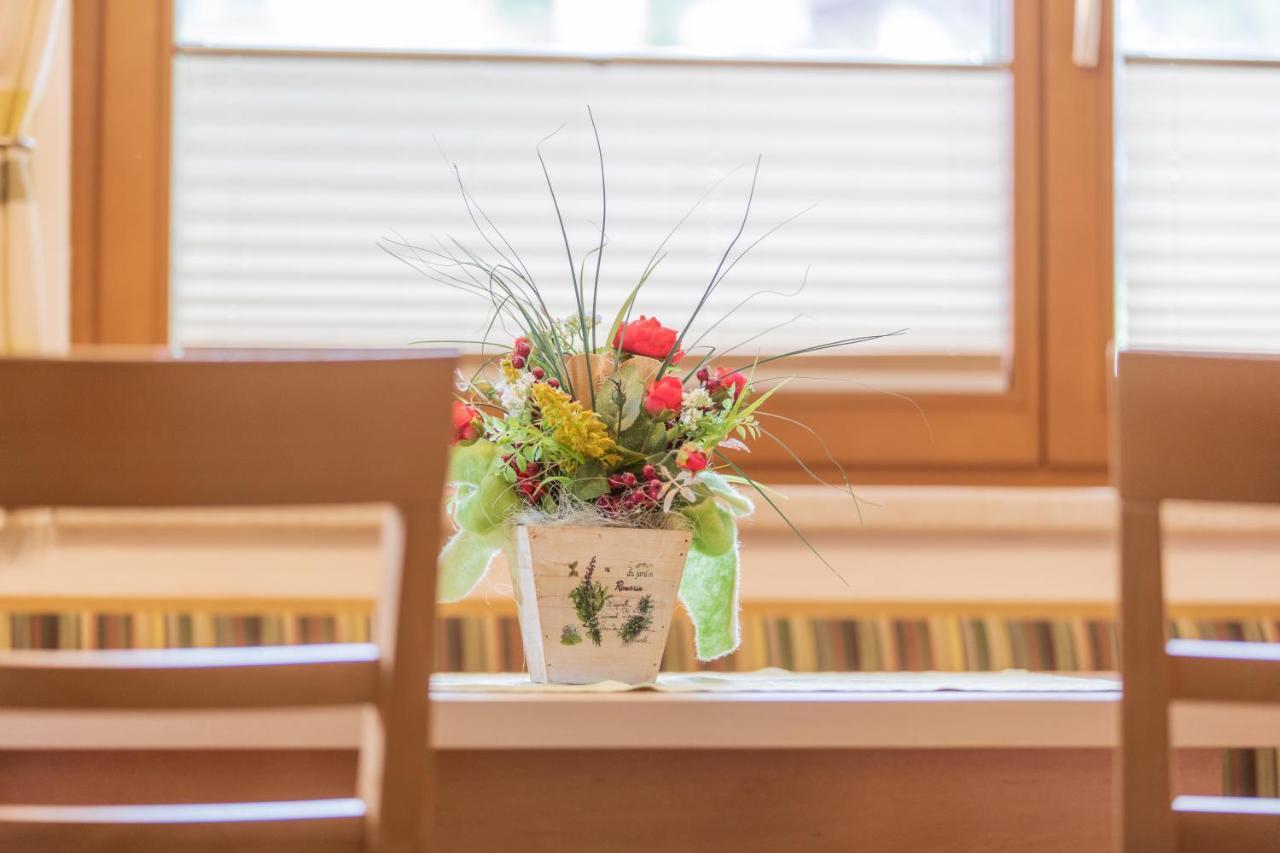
241 429
1187 427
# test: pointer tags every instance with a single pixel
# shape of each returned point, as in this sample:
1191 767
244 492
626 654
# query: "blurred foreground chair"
241 429
1188 427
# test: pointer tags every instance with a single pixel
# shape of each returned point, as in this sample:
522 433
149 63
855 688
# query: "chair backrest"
244 429
1186 427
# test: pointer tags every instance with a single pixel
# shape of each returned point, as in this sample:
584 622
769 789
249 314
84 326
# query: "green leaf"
656 441
629 457
720 487
621 398
646 436
589 481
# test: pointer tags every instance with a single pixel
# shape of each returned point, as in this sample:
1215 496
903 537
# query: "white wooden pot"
595 603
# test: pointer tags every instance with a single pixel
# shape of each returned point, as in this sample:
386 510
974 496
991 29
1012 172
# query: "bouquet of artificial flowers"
630 428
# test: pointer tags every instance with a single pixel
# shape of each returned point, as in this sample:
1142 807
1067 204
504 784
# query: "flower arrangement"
633 424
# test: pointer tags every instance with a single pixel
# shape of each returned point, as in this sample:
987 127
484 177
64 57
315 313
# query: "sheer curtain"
28 33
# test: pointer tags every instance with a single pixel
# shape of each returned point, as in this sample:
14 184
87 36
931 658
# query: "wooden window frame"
1048 426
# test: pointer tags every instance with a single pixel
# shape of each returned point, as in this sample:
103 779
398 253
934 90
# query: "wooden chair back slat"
330 826
1198 427
1187 427
242 429
270 676
1225 672
1226 823
229 430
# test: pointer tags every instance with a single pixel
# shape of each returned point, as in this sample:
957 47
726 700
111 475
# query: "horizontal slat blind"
288 169
1200 204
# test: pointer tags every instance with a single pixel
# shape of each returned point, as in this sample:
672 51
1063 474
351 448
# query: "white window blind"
1199 183
1200 203
288 169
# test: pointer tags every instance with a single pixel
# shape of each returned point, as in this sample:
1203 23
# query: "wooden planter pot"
595 603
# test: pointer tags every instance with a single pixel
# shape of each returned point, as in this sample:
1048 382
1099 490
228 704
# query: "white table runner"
783 681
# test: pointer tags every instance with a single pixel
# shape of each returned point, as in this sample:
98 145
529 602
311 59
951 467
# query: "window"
1200 192
288 168
917 129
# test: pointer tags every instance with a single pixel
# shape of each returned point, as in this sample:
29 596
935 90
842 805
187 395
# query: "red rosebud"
517 361
691 458
664 395
523 347
537 372
647 336
553 382
731 379
465 427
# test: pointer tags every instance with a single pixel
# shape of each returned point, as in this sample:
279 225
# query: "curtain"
27 33
28 29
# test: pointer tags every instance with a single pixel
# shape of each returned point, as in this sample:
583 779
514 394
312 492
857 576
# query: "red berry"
632 500
527 488
649 472
653 489
713 384
553 382
523 347
518 362
615 482
537 372
703 375
629 480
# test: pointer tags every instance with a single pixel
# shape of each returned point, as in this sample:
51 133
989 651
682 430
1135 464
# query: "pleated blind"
1199 196
288 170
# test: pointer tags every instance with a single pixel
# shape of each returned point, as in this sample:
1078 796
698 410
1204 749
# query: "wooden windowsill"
925 545
814 508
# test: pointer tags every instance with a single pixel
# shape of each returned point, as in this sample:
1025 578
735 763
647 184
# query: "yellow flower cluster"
571 425
509 371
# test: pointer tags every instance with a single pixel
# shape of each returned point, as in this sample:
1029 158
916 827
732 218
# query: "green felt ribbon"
482 503
709 588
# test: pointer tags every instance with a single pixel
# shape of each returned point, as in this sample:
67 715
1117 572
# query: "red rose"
647 336
464 422
691 458
664 394
731 379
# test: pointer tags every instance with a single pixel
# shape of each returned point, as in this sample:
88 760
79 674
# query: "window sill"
928 545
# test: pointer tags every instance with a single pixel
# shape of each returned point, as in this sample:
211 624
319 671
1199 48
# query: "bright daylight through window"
1199 191
303 134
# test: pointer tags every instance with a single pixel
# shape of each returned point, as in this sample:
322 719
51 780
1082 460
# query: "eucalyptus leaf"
645 436
589 481
619 403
